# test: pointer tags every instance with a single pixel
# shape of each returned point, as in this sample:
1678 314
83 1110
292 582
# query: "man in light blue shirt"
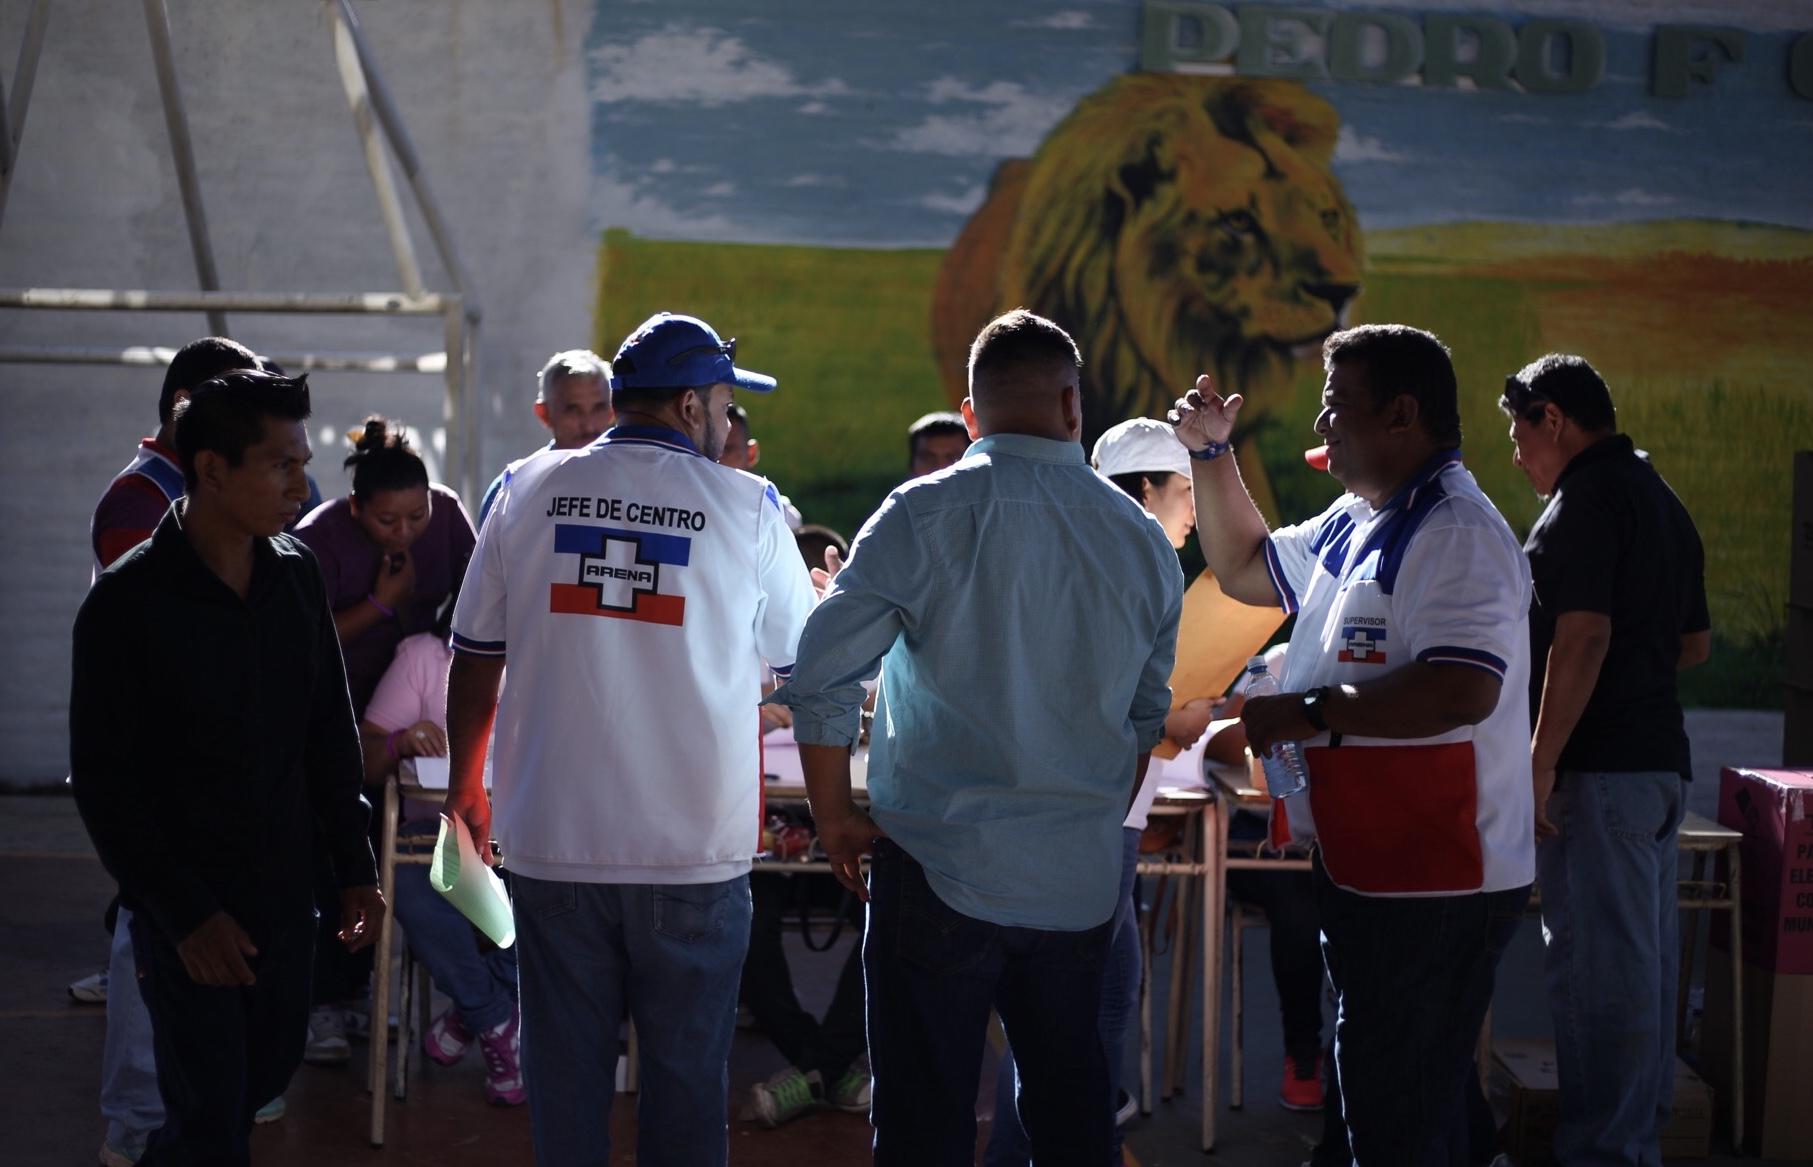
1023 612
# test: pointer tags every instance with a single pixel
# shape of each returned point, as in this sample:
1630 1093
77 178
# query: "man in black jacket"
213 752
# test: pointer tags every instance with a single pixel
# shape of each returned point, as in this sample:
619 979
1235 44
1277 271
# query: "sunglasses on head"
728 349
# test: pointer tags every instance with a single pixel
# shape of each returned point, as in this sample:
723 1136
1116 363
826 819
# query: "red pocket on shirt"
1398 820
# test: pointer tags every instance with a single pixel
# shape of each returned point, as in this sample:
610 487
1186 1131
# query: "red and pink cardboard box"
1774 810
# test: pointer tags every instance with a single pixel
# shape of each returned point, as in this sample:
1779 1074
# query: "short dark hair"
739 416
198 361
940 423
1404 360
1017 339
652 400
1134 482
225 415
382 459
1569 383
814 539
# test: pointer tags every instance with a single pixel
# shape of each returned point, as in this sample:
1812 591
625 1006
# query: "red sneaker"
1302 1088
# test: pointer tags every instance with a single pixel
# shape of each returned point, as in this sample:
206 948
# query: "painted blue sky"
861 123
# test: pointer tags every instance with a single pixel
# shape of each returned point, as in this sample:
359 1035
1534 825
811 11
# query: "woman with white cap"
1144 458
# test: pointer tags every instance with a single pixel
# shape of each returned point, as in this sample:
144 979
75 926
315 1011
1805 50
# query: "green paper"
470 884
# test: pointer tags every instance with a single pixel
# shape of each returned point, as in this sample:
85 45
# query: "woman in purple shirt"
392 552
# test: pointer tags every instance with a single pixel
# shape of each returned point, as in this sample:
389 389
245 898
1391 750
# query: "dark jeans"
1413 979
933 974
829 1046
1288 899
221 1053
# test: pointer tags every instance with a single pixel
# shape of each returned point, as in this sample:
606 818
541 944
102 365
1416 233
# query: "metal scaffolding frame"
379 124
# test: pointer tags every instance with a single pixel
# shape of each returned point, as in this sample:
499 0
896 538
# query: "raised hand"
1204 417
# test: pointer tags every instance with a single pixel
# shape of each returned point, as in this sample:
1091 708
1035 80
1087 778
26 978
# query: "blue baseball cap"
679 352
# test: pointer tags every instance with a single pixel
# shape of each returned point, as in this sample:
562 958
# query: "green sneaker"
853 1089
786 1096
270 1111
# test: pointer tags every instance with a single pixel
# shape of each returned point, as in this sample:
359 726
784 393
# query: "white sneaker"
327 1045
91 989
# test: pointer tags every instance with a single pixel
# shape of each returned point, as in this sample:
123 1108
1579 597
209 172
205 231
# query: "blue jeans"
1007 1143
1413 980
933 974
221 1052
672 954
1609 915
482 985
129 1099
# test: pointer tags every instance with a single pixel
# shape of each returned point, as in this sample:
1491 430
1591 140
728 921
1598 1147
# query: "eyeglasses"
728 349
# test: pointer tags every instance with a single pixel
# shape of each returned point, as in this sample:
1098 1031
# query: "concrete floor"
52 891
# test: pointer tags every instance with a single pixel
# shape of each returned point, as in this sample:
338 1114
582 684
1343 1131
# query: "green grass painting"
1698 327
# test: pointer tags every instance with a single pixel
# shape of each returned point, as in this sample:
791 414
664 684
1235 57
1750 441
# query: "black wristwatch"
1312 708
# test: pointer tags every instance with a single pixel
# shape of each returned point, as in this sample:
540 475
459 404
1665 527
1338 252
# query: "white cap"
1141 444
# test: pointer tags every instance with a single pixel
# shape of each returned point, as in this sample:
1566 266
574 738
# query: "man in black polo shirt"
213 752
1620 606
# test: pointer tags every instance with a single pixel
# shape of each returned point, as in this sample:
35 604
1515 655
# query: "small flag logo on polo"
1362 644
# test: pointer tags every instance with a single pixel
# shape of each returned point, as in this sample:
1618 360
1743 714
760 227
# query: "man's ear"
755 452
1403 414
1072 405
1552 419
541 414
968 409
210 470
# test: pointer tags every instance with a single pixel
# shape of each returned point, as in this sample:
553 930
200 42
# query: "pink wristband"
389 613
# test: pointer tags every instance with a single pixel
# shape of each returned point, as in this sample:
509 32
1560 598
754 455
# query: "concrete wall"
493 94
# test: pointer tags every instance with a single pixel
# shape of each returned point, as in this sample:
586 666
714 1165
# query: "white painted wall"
493 94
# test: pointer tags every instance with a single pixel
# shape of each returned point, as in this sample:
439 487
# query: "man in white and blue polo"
1405 682
1023 612
635 587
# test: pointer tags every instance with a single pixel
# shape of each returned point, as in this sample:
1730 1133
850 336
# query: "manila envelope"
1216 636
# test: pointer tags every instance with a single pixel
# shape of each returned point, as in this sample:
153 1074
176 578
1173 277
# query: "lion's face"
1234 247
1179 225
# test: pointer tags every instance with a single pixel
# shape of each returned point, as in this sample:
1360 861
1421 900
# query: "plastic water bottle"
1285 773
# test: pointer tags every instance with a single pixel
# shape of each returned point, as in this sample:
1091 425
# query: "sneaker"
1302 1088
91 989
502 1047
122 1156
786 1096
448 1039
853 1089
327 1044
1129 1106
270 1111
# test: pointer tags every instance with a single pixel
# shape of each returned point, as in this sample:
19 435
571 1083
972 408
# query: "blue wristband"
1211 451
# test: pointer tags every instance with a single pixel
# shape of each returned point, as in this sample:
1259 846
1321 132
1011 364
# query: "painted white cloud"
1757 15
961 203
1004 118
619 204
806 180
1628 197
1065 20
719 190
1351 146
1524 119
813 108
695 66
1638 120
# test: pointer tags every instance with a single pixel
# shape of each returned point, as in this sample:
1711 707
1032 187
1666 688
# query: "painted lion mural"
1175 225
